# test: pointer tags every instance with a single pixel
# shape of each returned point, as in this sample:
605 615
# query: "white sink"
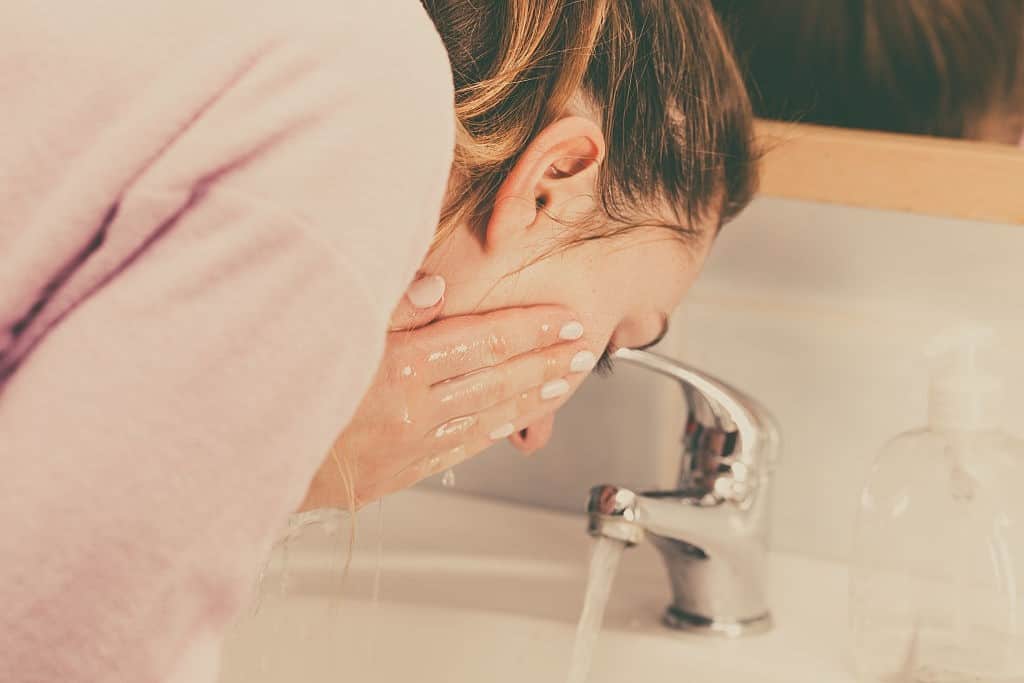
476 591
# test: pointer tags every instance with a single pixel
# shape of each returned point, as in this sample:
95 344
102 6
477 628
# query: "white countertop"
474 590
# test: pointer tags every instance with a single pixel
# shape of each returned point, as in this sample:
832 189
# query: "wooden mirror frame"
918 174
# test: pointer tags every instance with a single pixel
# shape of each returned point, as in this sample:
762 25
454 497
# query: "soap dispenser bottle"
937 570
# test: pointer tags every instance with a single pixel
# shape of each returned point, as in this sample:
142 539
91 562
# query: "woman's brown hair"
673 108
935 67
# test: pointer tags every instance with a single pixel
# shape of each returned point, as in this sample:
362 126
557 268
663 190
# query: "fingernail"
573 330
584 361
554 389
426 292
502 432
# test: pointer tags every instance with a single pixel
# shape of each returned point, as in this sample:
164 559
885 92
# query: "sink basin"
473 590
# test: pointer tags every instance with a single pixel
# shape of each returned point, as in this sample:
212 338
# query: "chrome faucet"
712 530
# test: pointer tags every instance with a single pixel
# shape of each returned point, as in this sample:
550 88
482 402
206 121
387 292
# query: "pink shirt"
207 213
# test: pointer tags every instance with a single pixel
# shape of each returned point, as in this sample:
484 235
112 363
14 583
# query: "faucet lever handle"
730 443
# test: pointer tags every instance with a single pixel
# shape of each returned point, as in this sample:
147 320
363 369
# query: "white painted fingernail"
554 389
502 432
426 292
584 361
573 330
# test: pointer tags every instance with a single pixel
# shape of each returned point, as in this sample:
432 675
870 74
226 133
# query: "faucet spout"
712 530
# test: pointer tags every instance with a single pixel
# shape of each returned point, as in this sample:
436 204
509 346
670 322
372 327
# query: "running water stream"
604 561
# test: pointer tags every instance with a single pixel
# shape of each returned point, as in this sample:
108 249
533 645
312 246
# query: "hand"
447 390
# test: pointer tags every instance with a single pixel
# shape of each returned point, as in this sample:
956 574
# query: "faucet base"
684 621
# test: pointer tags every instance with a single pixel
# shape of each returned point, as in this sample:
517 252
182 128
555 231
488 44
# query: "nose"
534 437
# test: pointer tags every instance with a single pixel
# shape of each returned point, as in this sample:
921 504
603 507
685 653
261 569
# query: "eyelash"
605 365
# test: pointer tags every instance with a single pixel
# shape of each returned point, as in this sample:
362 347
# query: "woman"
206 239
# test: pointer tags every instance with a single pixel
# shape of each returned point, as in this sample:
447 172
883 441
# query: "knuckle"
456 429
497 347
554 366
506 380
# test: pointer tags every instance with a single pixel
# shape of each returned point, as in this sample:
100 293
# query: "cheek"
604 283
613 283
651 279
593 287
602 292
668 274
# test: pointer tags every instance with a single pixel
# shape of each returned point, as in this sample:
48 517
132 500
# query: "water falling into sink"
604 561
299 602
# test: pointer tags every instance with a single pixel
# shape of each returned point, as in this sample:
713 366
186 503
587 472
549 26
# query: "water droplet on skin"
433 463
406 418
459 424
545 328
492 343
448 479
462 392
407 371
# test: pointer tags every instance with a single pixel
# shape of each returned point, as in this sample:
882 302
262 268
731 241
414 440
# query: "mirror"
906 105
943 68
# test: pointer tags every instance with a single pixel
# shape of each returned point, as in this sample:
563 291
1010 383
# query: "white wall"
821 313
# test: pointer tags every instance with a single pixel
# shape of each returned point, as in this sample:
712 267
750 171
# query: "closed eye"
605 365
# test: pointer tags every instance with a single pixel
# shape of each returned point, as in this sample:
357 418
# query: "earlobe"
559 164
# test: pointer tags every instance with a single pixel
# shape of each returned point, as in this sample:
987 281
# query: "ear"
559 164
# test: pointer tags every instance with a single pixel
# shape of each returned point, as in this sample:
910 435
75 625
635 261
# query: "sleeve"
156 438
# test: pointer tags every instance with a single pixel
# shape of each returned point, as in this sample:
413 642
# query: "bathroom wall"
820 312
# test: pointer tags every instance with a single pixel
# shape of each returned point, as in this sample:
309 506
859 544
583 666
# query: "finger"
457 346
420 305
535 437
461 439
540 414
490 386
502 420
536 409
